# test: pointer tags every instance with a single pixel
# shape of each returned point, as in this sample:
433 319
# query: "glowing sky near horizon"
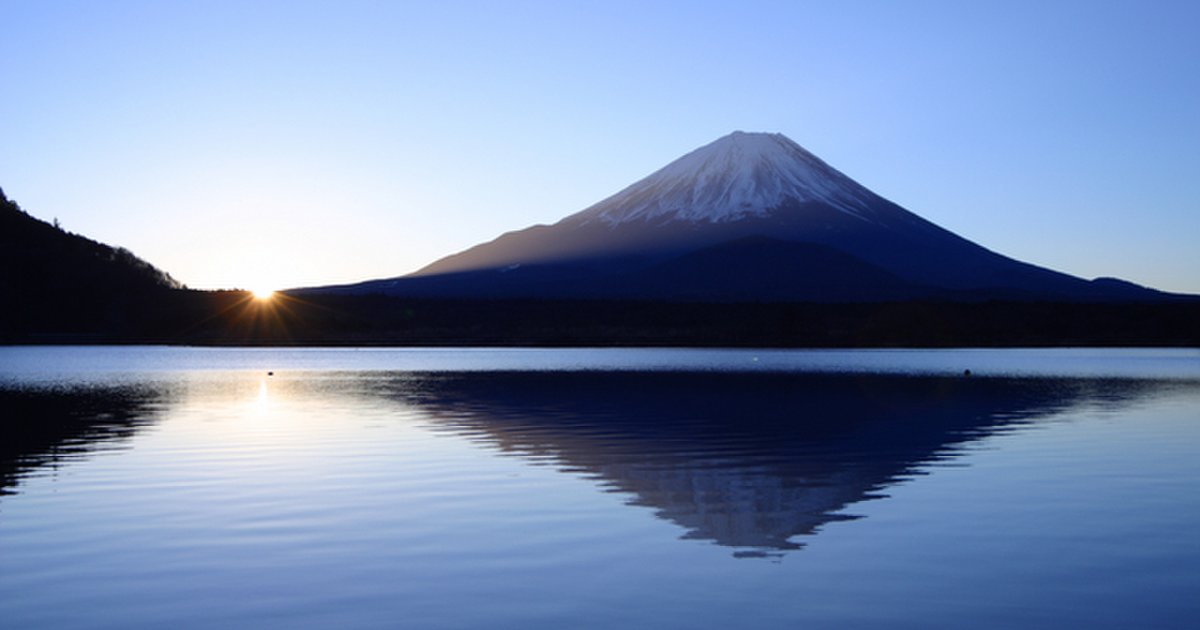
281 144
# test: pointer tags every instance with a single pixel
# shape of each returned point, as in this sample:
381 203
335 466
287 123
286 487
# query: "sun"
262 294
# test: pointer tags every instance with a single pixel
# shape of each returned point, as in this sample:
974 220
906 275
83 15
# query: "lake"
151 487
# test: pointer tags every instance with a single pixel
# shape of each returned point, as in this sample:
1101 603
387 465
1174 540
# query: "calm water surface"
178 487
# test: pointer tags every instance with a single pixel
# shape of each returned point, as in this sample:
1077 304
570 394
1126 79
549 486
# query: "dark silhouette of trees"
52 280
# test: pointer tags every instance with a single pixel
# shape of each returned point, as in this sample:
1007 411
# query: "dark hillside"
52 280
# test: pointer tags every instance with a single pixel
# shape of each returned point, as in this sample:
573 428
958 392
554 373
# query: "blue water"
179 487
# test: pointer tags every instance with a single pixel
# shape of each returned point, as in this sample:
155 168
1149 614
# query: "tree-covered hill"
53 280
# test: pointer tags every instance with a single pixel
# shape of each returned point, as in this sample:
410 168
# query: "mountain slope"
736 270
53 280
50 259
750 269
741 186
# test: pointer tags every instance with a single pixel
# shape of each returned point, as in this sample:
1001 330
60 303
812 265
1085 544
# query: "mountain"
51 259
51 279
749 217
731 289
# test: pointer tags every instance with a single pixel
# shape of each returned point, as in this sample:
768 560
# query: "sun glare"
263 294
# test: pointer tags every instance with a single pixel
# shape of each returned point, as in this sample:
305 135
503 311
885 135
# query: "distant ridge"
685 221
746 291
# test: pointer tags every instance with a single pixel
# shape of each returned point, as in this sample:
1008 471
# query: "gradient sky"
247 144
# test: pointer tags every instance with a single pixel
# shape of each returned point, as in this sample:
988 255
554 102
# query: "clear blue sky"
298 143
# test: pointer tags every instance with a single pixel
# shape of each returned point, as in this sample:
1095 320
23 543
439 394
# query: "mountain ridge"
40 255
694 298
53 280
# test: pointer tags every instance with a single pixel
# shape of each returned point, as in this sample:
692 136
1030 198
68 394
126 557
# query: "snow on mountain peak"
739 175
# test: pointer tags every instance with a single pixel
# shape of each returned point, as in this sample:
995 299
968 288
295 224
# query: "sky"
260 144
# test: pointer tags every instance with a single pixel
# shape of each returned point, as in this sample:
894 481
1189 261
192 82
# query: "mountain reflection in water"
749 461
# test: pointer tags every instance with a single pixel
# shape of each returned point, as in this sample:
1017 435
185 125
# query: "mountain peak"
742 174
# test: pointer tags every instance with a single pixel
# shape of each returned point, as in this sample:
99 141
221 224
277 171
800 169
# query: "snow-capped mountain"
750 216
738 176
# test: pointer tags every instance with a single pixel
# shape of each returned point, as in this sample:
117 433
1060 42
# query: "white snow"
739 175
